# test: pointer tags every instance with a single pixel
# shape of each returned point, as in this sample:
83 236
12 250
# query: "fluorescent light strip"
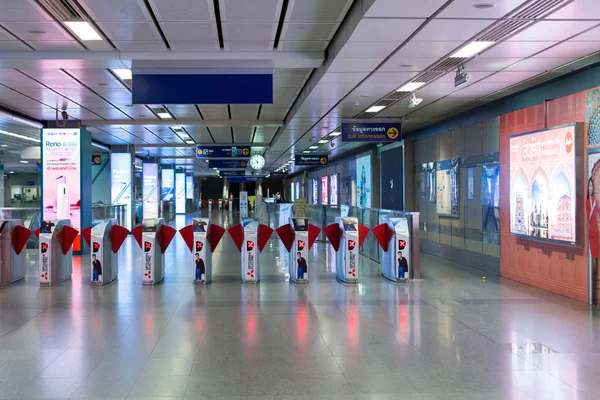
411 87
164 115
83 30
471 49
335 134
16 135
375 109
323 141
123 73
313 147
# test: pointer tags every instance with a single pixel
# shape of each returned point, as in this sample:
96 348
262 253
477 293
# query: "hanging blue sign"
371 131
222 151
317 159
231 173
242 179
227 163
278 175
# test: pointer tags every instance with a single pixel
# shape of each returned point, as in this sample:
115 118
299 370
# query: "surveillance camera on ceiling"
64 114
414 101
461 77
332 144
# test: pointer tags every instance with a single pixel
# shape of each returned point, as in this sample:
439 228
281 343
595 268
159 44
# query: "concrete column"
122 168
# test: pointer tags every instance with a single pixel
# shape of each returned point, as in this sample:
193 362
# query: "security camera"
64 114
331 144
461 78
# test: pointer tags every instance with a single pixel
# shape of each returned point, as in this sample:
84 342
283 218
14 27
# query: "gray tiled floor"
450 336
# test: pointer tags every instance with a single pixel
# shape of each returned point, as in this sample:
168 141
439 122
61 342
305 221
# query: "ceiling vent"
159 110
448 64
63 10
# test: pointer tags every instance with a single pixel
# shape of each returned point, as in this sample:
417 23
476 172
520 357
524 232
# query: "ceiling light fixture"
306 151
190 142
16 135
313 147
410 87
323 141
461 77
414 101
83 30
164 115
24 162
12 172
483 6
375 109
4 145
471 49
123 73
335 134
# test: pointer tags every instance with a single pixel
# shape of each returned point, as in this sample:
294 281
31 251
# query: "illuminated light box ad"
168 184
446 181
542 184
61 170
324 191
180 193
189 187
315 191
150 190
333 193
120 189
298 194
363 182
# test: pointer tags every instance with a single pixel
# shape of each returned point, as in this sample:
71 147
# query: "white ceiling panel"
363 49
21 10
13 45
264 134
552 31
218 111
539 64
183 10
451 30
318 10
490 64
189 31
571 49
465 9
53 78
515 49
392 78
248 46
427 49
27 31
314 45
243 111
308 31
354 64
130 31
592 35
511 77
271 112
242 134
579 9
146 45
399 63
249 31
115 10
250 10
109 113
16 100
221 134
184 112
384 30
408 9
194 45
343 77
56 45
95 77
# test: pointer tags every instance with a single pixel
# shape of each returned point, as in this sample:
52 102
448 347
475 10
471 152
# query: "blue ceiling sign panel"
222 151
227 163
311 159
242 179
372 131
231 173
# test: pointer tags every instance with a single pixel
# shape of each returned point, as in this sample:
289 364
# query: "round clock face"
257 162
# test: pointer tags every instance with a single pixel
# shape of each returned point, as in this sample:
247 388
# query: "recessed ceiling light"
313 147
12 172
83 30
336 133
206 160
483 6
410 87
190 142
323 141
375 109
123 73
471 49
164 115
306 151
215 168
24 162
16 135
4 145
36 32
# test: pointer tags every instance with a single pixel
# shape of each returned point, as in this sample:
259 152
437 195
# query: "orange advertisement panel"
542 185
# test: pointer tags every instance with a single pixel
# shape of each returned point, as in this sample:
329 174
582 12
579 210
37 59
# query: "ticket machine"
346 238
105 238
13 238
202 238
298 237
55 261
250 237
154 238
398 260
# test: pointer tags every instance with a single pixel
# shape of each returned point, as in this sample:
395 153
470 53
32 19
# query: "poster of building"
542 184
363 182
446 181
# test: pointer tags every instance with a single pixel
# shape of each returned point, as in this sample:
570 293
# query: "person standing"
199 267
96 268
402 265
302 267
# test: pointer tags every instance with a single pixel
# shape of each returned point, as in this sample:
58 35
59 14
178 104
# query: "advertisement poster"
490 197
298 194
542 184
61 154
333 195
120 186
431 181
324 191
446 179
592 207
363 182
150 191
292 196
168 184
189 187
180 193
470 193
315 191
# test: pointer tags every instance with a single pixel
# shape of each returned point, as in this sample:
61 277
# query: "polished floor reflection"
450 336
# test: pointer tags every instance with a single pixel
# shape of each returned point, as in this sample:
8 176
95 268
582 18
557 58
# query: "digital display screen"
121 190
542 185
363 182
189 187
324 191
150 190
315 191
168 184
180 193
333 193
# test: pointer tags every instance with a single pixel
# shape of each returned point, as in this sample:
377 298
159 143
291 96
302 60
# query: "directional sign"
222 151
371 131
231 173
241 179
311 159
227 163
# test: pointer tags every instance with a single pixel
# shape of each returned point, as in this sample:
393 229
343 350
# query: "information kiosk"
202 238
13 238
105 238
55 261
154 238
346 238
250 237
400 255
298 238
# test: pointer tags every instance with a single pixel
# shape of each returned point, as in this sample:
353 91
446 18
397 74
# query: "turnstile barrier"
196 237
153 237
105 238
13 239
346 238
298 237
250 237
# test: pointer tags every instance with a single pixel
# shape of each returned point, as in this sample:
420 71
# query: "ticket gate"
196 236
346 238
153 237
13 239
400 255
250 237
105 238
298 237
55 261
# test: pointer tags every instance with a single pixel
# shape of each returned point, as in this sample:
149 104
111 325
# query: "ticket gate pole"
153 237
250 237
13 238
55 261
196 236
396 240
105 238
298 237
347 237
209 206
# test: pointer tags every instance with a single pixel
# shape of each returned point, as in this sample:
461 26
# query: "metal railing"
102 212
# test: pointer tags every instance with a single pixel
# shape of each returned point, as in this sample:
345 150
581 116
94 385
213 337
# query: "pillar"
122 162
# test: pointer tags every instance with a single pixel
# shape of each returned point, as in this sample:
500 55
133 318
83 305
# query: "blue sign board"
278 175
227 163
242 179
222 151
96 159
231 173
371 131
316 159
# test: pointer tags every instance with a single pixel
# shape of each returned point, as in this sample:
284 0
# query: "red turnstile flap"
67 236
383 233
87 235
286 235
164 236
118 234
237 235
264 233
37 233
137 234
363 232
214 235
187 233
20 237
333 233
313 233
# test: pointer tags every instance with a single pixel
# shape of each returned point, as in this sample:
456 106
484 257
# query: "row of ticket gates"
55 260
